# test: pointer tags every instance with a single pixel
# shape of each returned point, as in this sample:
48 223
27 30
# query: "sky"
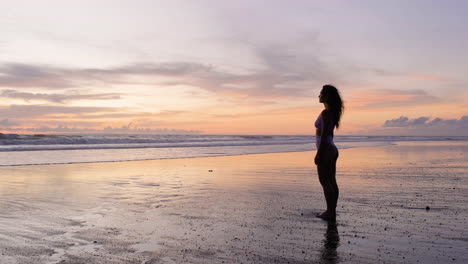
233 67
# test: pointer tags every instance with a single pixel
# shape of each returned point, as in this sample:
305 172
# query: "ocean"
43 149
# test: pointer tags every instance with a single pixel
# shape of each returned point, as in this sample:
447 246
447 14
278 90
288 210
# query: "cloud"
402 92
404 121
24 75
7 122
399 122
288 78
286 72
401 74
391 98
422 126
126 129
292 67
30 111
165 114
57 98
50 77
423 122
419 121
66 119
426 77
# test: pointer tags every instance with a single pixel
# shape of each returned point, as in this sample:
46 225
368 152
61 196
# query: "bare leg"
327 177
335 189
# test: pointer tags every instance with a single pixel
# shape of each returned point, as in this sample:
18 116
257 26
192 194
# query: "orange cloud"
426 77
389 98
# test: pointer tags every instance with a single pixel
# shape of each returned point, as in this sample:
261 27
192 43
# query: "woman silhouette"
327 153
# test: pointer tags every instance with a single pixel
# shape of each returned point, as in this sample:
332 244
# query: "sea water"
62 149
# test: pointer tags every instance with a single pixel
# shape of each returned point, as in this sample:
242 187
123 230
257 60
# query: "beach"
400 203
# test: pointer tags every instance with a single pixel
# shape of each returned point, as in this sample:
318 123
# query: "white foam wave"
65 149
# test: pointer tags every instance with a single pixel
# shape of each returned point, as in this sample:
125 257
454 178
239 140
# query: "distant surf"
39 149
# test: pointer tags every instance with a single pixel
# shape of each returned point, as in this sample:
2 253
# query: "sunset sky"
233 67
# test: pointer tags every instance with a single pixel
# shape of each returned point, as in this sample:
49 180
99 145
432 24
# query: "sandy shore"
241 209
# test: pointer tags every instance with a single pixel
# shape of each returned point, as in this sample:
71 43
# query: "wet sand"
241 209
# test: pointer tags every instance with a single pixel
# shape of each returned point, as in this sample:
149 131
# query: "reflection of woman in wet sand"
327 153
328 253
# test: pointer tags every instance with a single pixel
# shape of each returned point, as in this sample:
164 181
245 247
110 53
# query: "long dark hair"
335 104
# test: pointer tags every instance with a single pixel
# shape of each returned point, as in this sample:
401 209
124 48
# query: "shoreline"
177 158
378 144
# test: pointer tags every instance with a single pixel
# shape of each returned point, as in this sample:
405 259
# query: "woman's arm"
323 135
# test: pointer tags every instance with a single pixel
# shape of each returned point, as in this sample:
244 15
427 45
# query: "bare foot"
322 215
328 216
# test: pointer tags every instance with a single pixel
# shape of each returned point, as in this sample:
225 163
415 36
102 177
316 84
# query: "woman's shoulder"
325 113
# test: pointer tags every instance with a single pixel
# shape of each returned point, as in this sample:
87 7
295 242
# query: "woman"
327 153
